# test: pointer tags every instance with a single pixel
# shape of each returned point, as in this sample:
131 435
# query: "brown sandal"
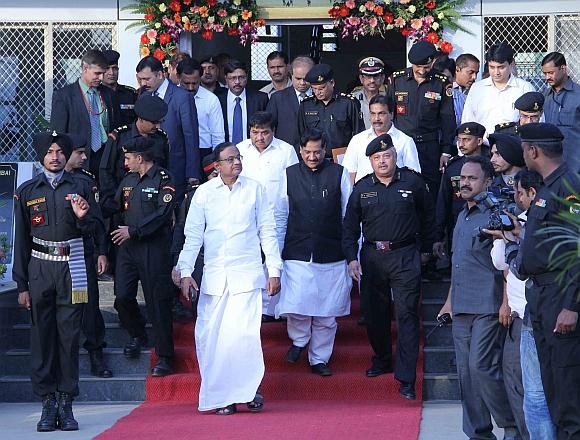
257 404
227 410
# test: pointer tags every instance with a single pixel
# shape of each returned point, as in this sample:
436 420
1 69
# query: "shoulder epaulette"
132 89
399 73
309 97
441 77
412 170
88 173
454 159
348 95
163 174
161 132
356 90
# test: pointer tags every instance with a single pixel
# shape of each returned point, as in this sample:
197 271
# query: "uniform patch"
575 207
401 96
37 220
170 188
541 203
36 201
368 195
433 96
449 90
401 109
405 193
167 198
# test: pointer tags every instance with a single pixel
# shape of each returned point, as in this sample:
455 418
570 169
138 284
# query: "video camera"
498 219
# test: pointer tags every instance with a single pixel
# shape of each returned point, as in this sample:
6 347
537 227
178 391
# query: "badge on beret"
320 78
536 106
167 198
467 130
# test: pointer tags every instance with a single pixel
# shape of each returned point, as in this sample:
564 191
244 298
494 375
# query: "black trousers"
429 154
55 330
559 357
95 161
147 261
399 270
93 324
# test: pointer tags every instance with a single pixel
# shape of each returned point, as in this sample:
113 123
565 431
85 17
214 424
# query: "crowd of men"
262 206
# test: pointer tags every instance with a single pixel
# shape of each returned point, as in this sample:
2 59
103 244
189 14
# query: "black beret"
77 140
151 108
209 60
381 143
471 128
509 147
42 142
371 66
319 74
540 132
530 102
112 57
138 144
422 53
507 128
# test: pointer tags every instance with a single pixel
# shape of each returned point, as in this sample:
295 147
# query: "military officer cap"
208 165
530 102
138 144
381 143
422 53
509 147
151 108
77 140
371 66
319 74
507 128
471 128
112 57
541 132
42 142
208 60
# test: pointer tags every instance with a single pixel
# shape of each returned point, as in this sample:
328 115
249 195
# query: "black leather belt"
543 279
57 251
386 246
426 137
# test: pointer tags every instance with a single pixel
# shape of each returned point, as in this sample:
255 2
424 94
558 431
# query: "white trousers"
229 349
316 330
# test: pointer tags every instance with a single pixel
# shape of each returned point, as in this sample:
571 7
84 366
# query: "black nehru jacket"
402 210
315 213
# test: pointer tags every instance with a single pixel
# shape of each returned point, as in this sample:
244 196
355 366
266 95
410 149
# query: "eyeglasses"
231 159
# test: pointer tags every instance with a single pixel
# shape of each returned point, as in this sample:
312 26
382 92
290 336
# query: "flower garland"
164 21
415 19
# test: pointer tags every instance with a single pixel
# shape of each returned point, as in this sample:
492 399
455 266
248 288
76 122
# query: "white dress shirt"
269 89
210 119
232 226
489 106
307 93
162 89
356 161
231 100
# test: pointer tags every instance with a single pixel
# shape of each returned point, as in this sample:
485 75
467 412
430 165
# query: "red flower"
333 12
149 17
379 10
343 11
186 2
446 47
175 6
405 32
177 17
432 37
159 54
388 18
211 3
431 5
164 38
144 39
207 35
233 32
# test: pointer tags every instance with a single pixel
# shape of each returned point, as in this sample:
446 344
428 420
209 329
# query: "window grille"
270 40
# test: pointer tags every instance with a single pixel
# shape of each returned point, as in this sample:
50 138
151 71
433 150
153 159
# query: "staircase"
127 384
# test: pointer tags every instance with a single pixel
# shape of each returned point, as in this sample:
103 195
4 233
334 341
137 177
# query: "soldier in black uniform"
396 211
53 213
449 202
146 200
424 110
126 95
337 115
150 112
530 106
507 159
553 294
93 324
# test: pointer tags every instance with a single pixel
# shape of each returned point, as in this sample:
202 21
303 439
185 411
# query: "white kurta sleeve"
266 226
345 190
350 159
216 123
498 255
410 155
193 230
281 211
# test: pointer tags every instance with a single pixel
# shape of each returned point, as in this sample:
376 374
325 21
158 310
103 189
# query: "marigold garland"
163 21
415 19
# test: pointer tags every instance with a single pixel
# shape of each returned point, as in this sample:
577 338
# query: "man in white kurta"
316 285
381 112
265 158
231 218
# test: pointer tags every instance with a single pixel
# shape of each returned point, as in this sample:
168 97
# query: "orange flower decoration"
159 54
204 11
144 51
379 10
246 15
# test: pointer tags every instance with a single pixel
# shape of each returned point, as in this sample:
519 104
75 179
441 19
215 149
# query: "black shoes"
294 354
98 365
375 371
66 419
162 368
48 419
407 390
321 369
133 347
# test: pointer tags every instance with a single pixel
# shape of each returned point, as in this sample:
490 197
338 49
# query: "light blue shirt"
210 119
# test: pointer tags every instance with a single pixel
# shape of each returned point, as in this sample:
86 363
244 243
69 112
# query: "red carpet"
298 403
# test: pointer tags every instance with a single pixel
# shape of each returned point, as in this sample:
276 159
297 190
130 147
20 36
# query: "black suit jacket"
255 102
70 115
284 107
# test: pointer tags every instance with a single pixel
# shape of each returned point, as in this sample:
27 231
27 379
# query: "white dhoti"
229 350
312 295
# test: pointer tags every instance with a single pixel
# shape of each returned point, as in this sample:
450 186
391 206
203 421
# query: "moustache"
465 187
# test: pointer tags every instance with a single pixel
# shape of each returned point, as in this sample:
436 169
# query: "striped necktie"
95 120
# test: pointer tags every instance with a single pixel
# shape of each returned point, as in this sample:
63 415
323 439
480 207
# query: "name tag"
36 201
368 195
127 106
311 113
150 190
